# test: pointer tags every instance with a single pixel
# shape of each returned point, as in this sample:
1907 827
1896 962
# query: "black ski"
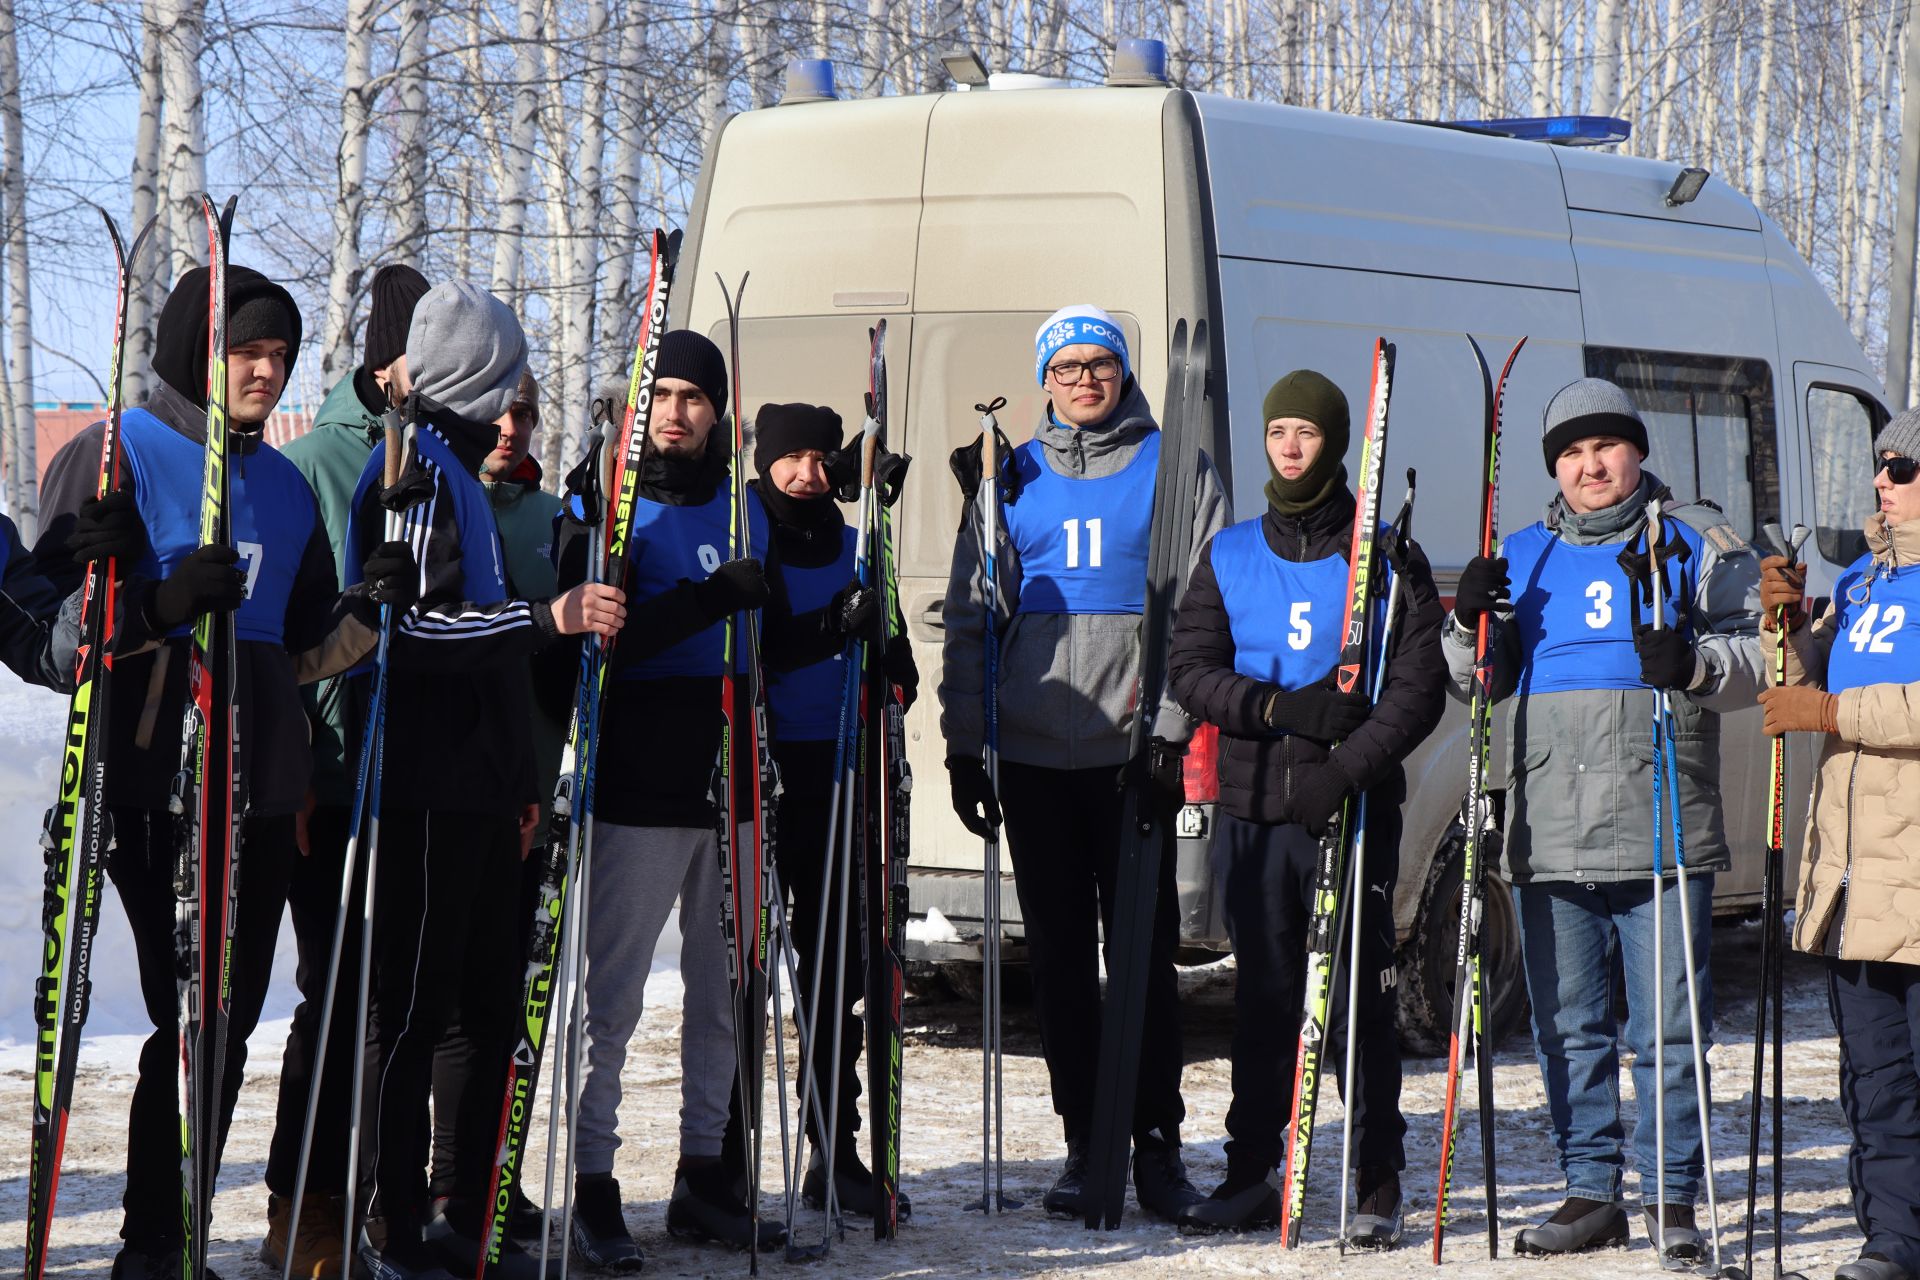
1143 828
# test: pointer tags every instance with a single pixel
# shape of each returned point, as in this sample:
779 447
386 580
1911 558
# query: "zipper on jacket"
1286 768
1846 875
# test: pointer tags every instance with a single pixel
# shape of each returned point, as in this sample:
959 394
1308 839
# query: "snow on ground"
942 1144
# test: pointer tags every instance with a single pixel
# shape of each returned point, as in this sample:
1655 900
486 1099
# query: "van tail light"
1202 775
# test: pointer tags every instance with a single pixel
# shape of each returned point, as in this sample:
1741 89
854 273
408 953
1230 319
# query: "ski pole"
367 794
1402 530
1664 736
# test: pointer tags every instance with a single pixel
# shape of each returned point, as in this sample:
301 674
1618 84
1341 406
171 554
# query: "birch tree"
343 280
180 25
22 471
142 299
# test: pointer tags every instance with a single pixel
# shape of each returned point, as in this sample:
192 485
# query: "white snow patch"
934 928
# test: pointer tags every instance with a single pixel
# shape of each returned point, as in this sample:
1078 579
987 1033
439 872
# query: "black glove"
1167 771
108 528
1314 796
852 610
973 797
205 582
1666 657
898 666
843 471
1318 711
1484 588
392 575
735 585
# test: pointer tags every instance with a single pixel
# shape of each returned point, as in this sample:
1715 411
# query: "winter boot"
1066 1198
1872 1266
1249 1200
1579 1225
318 1232
1160 1177
1376 1224
600 1235
453 1235
706 1205
394 1251
150 1260
853 1182
1677 1238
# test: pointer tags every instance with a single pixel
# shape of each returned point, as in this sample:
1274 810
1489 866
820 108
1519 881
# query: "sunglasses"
1899 470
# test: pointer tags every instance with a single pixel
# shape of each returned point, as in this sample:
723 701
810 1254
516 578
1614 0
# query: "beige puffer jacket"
1865 834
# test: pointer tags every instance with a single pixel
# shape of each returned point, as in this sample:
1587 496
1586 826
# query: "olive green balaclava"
1306 394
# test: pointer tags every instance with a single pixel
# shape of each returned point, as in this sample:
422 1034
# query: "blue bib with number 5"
1574 608
1871 642
1284 615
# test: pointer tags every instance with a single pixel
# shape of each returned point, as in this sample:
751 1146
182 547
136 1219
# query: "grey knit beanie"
1590 407
466 351
1901 436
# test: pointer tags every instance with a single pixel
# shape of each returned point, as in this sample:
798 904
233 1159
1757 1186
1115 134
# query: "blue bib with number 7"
1575 612
1873 642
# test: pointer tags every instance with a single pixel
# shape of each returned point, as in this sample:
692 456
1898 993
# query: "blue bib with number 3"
1284 616
1872 643
1574 608
1083 543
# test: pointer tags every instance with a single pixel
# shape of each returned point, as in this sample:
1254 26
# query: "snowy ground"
941 1147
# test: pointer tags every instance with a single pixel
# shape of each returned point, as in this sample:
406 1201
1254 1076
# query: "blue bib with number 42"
1874 642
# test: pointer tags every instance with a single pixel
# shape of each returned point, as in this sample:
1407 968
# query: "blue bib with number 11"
1873 641
1083 542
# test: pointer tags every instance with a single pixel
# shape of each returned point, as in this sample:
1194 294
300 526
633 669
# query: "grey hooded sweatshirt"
1067 682
1580 786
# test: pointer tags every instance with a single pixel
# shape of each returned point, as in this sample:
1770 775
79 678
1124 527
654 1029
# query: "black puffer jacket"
1257 764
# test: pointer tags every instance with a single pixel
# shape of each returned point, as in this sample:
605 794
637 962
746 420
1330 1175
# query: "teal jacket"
525 514
331 457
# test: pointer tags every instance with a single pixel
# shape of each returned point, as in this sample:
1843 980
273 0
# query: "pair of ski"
205 801
868 811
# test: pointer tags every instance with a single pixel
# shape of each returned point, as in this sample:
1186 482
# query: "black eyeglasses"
1899 470
1068 372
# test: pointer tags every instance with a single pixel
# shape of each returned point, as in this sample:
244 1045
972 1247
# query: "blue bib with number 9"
1873 642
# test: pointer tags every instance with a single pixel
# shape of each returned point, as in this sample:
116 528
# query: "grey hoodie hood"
466 351
1104 448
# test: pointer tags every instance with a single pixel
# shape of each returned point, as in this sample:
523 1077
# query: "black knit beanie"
391 297
1313 397
692 357
257 308
781 429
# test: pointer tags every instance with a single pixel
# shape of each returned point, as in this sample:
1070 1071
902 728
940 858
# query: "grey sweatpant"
636 873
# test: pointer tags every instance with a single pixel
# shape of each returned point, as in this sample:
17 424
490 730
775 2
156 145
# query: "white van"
964 218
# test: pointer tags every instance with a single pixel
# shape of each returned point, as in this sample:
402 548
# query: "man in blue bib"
1071 571
39 626
1572 648
1853 677
291 624
1258 637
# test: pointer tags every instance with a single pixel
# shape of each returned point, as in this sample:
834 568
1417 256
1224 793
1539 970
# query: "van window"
1709 424
1841 426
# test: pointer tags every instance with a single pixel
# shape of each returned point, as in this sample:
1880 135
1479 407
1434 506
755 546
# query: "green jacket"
331 457
524 513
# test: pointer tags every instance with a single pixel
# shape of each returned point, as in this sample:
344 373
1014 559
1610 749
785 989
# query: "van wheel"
1426 958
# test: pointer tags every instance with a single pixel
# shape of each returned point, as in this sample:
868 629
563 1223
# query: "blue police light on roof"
1566 131
809 80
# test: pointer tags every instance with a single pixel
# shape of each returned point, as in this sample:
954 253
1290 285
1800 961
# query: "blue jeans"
1573 938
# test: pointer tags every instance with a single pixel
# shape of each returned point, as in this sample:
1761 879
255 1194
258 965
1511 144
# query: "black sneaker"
457 1246
526 1221
1376 1224
398 1255
1577 1226
706 1206
853 1183
1677 1238
1066 1198
1160 1176
600 1235
1246 1201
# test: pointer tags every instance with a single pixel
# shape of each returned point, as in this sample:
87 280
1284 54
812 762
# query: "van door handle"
931 615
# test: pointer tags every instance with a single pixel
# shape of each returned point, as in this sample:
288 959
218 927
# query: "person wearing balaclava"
1071 573
655 834
457 773
1254 651
292 624
331 456
797 452
1569 640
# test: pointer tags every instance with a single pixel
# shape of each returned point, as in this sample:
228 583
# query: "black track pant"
1063 833
446 952
313 900
806 776
141 865
1266 876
